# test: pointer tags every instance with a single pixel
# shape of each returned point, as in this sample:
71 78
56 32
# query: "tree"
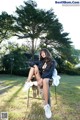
56 38
6 26
29 22
15 62
34 23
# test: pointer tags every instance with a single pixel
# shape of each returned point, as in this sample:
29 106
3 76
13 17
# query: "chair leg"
28 97
55 94
35 92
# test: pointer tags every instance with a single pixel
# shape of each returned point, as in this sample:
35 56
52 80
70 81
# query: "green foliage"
6 26
15 62
68 64
66 67
75 55
72 71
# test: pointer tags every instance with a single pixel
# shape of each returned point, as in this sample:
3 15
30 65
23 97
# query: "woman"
43 71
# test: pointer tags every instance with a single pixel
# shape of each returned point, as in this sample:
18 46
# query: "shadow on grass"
10 86
7 103
36 113
10 81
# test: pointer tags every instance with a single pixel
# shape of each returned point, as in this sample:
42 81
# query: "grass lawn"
14 101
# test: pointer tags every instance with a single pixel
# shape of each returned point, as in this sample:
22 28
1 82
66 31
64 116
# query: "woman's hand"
44 66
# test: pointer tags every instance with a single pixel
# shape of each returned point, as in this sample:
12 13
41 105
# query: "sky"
68 16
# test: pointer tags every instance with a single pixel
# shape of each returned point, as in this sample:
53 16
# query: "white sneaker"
47 109
35 83
27 85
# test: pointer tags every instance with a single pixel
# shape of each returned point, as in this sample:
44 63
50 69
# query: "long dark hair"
48 58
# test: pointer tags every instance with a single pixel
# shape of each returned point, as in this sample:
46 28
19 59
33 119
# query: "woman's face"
43 55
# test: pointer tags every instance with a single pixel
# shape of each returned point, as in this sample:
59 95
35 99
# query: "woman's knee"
36 68
32 69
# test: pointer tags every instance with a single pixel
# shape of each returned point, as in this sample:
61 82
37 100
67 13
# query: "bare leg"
37 75
45 90
43 83
31 73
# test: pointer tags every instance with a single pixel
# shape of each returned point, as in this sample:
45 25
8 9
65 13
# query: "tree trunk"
32 49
